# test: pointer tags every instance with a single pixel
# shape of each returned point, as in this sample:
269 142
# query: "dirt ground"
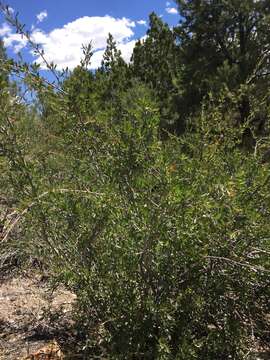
34 320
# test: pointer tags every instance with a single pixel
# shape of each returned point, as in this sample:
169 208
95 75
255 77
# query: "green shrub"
165 244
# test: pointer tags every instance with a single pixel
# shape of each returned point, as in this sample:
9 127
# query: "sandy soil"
36 322
33 318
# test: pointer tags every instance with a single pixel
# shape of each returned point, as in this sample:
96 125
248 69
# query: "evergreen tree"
80 87
155 61
112 58
223 42
112 76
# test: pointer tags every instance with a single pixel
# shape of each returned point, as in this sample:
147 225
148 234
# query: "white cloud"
11 10
5 29
126 52
171 10
63 46
15 41
42 16
141 22
127 49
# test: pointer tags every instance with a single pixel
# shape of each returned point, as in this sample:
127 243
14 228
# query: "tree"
112 56
223 43
112 76
155 61
80 88
79 85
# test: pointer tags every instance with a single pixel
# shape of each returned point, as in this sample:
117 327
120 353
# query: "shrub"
166 244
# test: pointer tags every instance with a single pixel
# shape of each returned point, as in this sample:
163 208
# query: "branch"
13 20
253 268
25 211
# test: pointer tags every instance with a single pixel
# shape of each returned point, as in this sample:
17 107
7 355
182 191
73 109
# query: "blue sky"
62 26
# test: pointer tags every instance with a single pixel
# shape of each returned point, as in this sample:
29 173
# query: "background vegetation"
144 187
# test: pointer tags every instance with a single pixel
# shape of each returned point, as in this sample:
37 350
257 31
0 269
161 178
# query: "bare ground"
36 322
33 318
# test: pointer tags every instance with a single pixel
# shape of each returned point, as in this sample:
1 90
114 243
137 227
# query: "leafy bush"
165 243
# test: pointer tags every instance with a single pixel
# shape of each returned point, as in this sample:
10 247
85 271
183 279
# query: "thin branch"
25 211
255 74
253 268
13 20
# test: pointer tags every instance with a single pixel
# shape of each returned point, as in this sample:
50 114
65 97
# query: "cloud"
11 10
12 40
16 41
63 45
42 16
126 52
5 29
171 10
127 49
141 22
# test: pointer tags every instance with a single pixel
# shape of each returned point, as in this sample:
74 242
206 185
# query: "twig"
20 30
253 268
13 20
24 212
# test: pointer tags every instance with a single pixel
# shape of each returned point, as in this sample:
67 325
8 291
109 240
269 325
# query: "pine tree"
223 43
112 76
155 61
112 58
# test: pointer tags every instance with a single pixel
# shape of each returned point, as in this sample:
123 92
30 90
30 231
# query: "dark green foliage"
80 87
232 32
3 71
113 75
155 61
164 241
223 43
